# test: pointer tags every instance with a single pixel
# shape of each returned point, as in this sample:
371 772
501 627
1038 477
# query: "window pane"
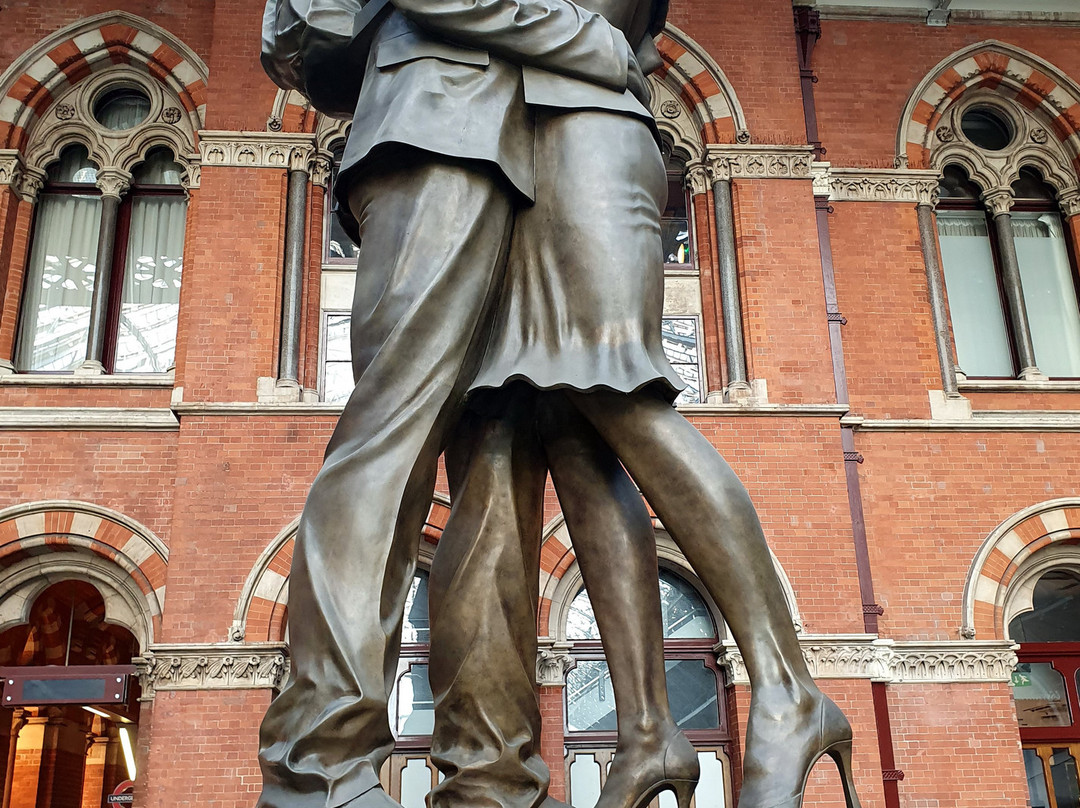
675 234
1049 292
150 303
416 707
1055 614
685 614
1036 779
417 628
590 702
159 168
337 359
680 340
580 621
691 689
978 321
1039 691
73 166
59 282
1063 773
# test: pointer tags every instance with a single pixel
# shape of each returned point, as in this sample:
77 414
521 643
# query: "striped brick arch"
1014 73
29 86
1007 553
262 610
699 83
47 542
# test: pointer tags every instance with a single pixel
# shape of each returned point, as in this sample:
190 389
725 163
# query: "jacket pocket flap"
410 45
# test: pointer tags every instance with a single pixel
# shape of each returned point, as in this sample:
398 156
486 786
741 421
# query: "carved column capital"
29 184
697 178
113 182
999 200
1070 203
553 662
319 167
719 168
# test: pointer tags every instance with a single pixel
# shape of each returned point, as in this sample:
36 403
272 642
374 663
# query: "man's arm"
554 35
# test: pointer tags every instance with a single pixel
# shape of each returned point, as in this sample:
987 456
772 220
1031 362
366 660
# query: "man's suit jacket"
454 77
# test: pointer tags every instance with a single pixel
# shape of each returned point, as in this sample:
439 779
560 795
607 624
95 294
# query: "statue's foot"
784 741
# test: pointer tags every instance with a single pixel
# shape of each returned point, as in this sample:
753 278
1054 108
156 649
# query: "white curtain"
150 302
1049 292
59 282
978 321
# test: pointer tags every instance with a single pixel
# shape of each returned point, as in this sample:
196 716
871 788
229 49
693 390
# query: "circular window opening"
986 129
122 108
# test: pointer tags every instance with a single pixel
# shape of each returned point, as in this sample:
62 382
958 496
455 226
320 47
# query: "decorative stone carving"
65 112
820 173
742 137
1070 203
226 666
761 162
864 657
670 109
171 114
274 124
883 185
945 134
697 178
553 662
285 150
113 181
999 200
319 169
1039 135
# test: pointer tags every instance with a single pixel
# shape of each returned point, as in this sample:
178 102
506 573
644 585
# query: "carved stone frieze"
553 662
281 150
883 185
744 161
212 666
863 657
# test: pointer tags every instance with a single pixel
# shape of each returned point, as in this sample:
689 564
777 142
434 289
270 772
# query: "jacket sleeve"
554 35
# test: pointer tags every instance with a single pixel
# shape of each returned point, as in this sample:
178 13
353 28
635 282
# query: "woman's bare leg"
615 546
709 514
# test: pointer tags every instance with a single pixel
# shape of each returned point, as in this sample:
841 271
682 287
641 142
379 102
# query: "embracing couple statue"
503 180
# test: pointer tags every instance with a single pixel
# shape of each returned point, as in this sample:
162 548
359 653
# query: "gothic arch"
43 543
561 579
1006 567
700 91
32 83
262 607
1038 87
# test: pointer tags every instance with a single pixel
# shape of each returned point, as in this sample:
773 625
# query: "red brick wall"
193 729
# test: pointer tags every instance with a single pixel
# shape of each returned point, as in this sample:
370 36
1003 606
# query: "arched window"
693 685
1045 688
62 270
102 287
978 254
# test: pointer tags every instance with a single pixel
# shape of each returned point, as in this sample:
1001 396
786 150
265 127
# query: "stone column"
697 182
113 184
935 287
1000 202
738 384
292 285
94 771
26 184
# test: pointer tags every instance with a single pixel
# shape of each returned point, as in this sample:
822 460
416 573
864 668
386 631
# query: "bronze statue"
566 370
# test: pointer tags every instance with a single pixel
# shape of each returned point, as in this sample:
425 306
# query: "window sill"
164 380
1018 386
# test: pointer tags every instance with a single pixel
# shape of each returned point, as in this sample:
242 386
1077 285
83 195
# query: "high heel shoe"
767 765
638 774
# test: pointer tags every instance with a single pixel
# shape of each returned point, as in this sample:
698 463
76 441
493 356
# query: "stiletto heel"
644 773
841 755
829 734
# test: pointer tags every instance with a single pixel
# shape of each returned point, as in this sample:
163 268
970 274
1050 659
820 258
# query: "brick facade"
195 478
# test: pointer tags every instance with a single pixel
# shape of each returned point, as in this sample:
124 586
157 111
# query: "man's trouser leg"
482 594
431 257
